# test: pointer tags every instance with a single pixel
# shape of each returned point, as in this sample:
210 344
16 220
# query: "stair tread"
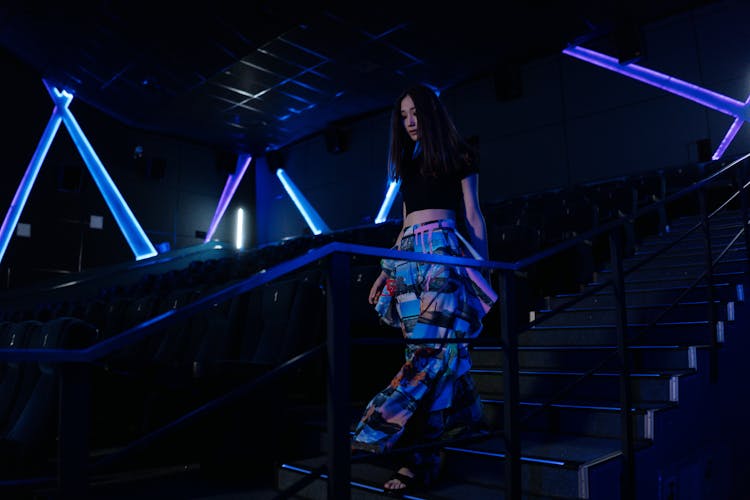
559 450
667 373
602 405
636 306
665 288
601 347
611 326
371 477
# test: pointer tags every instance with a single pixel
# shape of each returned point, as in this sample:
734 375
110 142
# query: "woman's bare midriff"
427 215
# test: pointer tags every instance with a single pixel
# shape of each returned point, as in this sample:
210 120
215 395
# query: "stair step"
581 418
675 269
668 282
367 481
690 246
643 357
720 220
691 311
725 292
680 333
601 386
551 464
683 254
553 467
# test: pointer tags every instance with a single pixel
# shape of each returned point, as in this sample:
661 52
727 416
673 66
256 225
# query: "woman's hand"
377 287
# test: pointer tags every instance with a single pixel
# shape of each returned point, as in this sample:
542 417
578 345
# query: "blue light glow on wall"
390 196
136 238
243 161
314 221
708 98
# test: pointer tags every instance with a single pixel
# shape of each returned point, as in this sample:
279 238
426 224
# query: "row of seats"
29 392
151 381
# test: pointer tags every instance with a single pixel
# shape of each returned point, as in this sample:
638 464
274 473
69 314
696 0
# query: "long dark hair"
444 150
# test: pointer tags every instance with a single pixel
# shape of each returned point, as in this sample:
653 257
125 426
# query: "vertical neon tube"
728 138
239 234
390 196
314 221
233 180
27 182
131 229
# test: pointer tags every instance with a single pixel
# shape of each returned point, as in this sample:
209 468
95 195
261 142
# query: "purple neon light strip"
728 138
27 182
233 180
682 88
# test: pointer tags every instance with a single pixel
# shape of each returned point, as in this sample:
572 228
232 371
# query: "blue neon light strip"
739 110
131 229
502 455
390 196
233 180
24 188
314 221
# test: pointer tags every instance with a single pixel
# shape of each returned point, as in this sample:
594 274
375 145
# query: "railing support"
73 427
627 480
339 351
741 180
512 427
709 262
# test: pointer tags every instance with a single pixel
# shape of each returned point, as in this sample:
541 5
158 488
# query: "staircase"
686 424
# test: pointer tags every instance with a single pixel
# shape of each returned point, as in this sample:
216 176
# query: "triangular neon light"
131 229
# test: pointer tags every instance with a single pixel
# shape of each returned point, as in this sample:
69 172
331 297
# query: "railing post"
339 351
712 316
741 180
512 430
627 480
73 427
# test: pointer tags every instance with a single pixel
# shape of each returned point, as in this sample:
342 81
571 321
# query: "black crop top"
420 193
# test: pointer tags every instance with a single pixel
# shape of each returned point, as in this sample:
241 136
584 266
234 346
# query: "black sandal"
410 484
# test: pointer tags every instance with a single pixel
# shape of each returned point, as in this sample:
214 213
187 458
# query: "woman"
433 391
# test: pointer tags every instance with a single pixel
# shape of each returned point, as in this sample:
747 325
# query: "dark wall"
172 188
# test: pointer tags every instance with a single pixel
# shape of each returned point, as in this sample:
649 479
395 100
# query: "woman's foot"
400 481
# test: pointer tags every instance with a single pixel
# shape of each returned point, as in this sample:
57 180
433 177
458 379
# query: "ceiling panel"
251 75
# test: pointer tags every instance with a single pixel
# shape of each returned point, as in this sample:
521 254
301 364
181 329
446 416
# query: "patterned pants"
433 390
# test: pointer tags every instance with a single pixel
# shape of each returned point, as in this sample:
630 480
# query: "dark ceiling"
246 76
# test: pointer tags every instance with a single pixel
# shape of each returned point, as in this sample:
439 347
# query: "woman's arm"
473 215
379 283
